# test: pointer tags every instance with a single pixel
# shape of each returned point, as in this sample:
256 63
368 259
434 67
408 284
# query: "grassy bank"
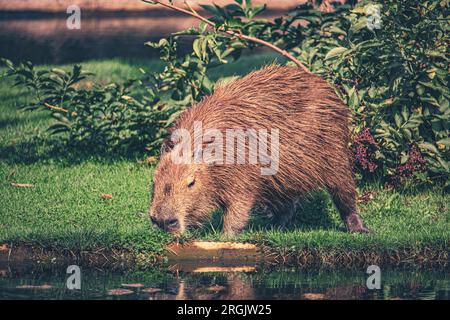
64 209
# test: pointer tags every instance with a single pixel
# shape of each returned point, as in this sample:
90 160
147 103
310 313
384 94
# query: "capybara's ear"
167 145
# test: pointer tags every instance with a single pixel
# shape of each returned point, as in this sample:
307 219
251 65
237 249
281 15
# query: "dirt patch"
209 245
213 251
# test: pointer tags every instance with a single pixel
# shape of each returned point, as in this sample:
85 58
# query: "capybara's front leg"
236 217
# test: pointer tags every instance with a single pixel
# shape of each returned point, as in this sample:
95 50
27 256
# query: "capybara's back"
265 140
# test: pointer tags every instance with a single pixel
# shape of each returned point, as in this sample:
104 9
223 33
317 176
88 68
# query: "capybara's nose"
170 225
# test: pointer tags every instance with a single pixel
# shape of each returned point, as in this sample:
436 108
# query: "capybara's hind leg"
345 202
285 213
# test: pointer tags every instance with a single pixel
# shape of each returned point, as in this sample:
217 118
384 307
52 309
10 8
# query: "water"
44 38
29 282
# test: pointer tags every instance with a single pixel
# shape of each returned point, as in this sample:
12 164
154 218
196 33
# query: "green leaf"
197 47
429 147
335 52
335 29
398 120
445 142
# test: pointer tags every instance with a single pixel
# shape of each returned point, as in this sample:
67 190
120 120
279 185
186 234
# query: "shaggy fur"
314 136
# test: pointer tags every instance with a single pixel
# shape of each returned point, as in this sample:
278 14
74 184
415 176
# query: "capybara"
309 141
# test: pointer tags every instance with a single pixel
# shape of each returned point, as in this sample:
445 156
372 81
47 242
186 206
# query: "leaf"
353 100
429 147
407 133
360 24
151 290
398 120
59 72
335 29
445 142
238 44
7 63
444 164
197 47
119 292
361 10
335 52
202 26
404 158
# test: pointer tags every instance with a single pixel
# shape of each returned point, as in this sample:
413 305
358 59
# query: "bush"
102 118
394 77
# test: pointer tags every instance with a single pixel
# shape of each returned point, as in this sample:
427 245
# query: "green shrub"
394 77
102 118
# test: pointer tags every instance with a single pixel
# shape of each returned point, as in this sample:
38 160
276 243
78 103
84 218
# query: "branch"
241 36
73 114
55 108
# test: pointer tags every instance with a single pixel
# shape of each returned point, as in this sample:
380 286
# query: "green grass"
399 220
64 208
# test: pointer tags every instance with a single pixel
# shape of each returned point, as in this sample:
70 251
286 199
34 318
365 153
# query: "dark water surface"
280 283
45 38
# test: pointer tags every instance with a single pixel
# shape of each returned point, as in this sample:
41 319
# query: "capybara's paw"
355 224
362 229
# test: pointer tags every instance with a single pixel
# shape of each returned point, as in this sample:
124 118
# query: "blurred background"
36 29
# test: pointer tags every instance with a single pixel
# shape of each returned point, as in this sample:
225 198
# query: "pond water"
44 38
26 282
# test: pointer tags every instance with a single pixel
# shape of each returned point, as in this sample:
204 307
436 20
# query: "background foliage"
394 77
391 71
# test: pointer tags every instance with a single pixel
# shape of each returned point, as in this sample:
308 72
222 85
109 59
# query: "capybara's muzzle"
169 225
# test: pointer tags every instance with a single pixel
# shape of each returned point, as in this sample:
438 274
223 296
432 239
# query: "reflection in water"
29 283
44 39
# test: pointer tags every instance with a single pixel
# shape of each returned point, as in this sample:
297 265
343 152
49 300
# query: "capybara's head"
182 195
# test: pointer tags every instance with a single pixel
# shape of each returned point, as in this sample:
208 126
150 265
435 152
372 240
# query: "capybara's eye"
191 183
167 189
172 223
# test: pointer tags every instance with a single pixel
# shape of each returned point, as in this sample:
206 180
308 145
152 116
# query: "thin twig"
10 251
233 33
55 108
186 2
21 185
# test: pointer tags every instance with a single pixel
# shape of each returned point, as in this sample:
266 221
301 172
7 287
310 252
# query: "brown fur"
314 136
